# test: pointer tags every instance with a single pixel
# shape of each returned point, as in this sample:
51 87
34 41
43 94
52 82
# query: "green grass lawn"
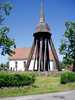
43 84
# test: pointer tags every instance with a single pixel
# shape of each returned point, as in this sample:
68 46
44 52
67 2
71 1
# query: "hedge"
67 77
16 80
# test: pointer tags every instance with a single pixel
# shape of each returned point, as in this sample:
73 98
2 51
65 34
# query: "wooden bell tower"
40 48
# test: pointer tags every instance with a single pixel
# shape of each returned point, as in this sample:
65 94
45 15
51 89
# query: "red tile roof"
23 53
20 54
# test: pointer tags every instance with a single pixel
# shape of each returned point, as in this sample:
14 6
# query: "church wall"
21 67
31 65
11 65
17 65
51 65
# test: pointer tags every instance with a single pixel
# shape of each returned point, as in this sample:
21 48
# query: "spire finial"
42 17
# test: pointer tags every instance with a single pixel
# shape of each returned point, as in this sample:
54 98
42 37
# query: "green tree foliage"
67 48
67 77
62 65
7 44
4 67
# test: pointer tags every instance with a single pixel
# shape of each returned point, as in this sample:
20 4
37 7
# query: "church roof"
20 54
23 53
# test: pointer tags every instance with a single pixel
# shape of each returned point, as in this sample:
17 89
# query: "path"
70 95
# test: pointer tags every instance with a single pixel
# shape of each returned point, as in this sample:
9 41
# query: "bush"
16 80
67 77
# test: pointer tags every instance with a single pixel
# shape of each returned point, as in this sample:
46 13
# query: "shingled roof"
23 53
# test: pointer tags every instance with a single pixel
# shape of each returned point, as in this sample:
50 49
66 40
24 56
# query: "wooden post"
42 55
49 54
38 54
45 56
30 56
35 54
54 53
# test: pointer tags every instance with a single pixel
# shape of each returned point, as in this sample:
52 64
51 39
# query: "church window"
16 65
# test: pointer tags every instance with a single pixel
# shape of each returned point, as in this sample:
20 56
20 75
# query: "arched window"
24 64
11 68
16 65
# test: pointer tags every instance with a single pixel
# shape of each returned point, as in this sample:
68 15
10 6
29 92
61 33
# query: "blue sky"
25 17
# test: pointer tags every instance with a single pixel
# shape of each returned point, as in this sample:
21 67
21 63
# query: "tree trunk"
73 66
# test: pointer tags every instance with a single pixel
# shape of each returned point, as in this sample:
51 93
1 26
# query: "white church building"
17 62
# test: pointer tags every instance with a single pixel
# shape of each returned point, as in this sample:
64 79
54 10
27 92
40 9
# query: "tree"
7 44
67 48
4 67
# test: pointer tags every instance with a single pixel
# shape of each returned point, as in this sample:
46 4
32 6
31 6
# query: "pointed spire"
42 26
42 17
